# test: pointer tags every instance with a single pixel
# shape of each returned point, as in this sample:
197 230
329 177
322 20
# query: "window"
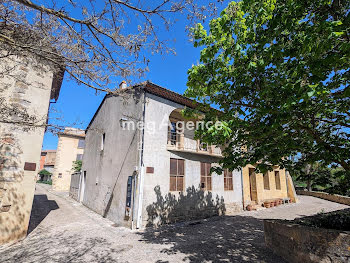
266 181
79 157
177 174
173 134
228 180
205 176
81 144
103 138
277 180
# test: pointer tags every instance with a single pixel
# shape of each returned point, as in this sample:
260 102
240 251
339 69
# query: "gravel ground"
62 230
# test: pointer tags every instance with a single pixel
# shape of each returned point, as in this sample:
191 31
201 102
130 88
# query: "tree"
97 42
44 172
77 166
279 74
314 175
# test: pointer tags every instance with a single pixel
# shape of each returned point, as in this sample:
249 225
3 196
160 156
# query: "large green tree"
279 73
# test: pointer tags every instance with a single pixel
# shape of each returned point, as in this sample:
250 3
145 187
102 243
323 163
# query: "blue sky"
77 104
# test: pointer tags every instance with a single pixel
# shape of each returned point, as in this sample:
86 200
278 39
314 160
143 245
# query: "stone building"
142 165
70 148
27 84
138 177
47 160
258 187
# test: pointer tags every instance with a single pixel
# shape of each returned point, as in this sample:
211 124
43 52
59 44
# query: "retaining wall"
302 244
334 198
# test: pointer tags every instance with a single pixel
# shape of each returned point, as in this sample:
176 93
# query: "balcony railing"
177 142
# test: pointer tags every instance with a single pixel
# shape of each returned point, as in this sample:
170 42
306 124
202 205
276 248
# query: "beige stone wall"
27 88
261 193
334 198
67 151
301 244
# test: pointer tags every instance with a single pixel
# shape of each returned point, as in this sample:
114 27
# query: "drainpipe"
141 168
242 187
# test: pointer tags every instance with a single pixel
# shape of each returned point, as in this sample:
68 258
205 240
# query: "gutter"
242 187
141 168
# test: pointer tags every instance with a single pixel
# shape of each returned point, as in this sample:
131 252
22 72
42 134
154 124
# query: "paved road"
63 230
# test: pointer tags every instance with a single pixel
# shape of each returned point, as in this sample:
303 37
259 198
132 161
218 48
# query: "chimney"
122 85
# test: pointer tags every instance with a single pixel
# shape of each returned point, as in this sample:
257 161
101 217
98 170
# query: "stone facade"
155 175
140 160
47 160
70 148
163 206
258 187
25 93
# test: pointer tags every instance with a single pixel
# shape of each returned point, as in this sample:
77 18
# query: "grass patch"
44 182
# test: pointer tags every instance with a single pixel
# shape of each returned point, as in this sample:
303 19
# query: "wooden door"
252 183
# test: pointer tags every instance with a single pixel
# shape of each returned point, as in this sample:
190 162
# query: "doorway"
252 185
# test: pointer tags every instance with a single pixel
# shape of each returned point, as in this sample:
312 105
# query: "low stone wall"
302 244
334 198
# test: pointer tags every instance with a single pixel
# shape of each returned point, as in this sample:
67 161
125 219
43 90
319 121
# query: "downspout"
141 168
242 187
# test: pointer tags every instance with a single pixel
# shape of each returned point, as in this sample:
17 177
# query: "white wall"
156 155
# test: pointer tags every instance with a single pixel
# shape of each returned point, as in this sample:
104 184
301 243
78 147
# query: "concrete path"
63 230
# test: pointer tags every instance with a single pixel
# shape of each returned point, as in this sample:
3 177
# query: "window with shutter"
177 174
277 180
206 177
266 181
228 180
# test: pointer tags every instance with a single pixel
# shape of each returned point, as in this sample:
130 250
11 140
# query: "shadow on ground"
193 204
63 247
40 209
218 239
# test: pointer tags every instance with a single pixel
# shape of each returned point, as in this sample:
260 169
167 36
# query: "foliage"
44 172
96 41
316 177
77 165
44 182
340 183
279 73
339 220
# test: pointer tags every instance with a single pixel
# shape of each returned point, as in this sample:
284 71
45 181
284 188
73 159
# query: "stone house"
70 148
142 165
47 160
25 94
258 187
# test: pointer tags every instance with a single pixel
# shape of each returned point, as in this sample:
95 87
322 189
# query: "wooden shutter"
228 180
203 169
177 173
173 166
208 166
266 181
277 180
181 167
172 183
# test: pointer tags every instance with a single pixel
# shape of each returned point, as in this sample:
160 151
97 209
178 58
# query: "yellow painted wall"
263 194
67 150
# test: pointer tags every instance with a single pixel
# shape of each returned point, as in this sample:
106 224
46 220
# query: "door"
252 183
